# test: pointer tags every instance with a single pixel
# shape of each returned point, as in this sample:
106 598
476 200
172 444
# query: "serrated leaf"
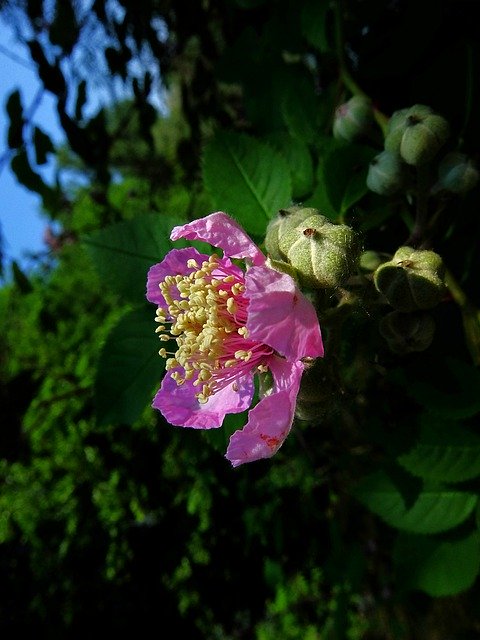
436 509
129 368
437 567
445 452
247 179
124 252
299 161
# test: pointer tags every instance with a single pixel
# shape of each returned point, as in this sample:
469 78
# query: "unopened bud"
370 261
323 254
353 119
407 332
412 280
416 134
284 220
456 173
386 174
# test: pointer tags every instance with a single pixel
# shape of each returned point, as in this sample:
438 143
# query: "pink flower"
230 325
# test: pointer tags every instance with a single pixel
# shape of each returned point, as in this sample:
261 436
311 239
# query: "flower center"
207 313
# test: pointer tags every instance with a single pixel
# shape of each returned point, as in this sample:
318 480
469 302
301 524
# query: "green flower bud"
284 220
456 173
386 174
416 134
412 280
353 119
370 261
324 254
407 332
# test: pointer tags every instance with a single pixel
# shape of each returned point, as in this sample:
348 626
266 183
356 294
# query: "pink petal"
180 407
280 316
219 230
175 262
269 423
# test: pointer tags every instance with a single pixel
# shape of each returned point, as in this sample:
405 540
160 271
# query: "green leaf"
247 179
314 24
436 509
299 161
459 402
129 368
437 567
124 252
43 145
23 283
301 109
343 174
445 452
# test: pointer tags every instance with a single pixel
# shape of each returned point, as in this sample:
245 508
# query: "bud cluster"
412 282
414 138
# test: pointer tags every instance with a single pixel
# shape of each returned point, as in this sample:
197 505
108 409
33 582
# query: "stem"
421 218
470 316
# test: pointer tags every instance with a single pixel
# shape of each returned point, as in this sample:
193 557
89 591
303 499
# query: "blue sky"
21 220
22 223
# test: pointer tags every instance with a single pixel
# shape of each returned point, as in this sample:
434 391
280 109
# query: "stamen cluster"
207 314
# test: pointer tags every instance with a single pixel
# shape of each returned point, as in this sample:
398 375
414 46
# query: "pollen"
205 312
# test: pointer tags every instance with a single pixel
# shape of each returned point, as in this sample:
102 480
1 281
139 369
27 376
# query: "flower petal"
175 262
219 230
269 423
280 316
181 408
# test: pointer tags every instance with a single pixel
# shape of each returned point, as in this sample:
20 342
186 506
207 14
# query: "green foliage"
128 369
438 567
109 516
436 508
130 248
246 178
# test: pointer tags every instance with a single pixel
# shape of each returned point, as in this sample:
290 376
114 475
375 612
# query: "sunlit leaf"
124 252
247 179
